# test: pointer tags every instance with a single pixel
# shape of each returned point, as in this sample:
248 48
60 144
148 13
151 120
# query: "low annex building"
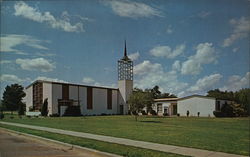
194 104
92 100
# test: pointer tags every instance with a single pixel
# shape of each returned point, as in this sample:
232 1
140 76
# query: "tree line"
240 99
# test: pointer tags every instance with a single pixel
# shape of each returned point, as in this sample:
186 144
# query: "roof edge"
68 83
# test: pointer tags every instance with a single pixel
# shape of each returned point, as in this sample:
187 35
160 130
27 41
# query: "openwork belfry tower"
125 80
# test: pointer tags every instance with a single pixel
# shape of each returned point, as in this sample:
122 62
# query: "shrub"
31 108
54 115
143 112
1 115
218 114
21 109
165 114
134 113
152 112
72 111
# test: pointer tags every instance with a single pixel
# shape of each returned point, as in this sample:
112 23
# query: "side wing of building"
205 106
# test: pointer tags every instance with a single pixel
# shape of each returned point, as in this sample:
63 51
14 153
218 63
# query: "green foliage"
224 95
156 93
12 97
153 112
241 97
148 95
21 109
44 111
2 106
72 111
138 100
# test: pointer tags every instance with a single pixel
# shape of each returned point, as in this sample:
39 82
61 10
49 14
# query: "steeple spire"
125 50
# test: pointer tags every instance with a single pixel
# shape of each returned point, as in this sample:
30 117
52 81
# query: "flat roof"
177 99
70 84
167 99
200 96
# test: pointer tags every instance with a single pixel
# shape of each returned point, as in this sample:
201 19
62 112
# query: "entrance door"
62 110
174 109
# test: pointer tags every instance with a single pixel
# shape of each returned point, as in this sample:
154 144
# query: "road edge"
71 146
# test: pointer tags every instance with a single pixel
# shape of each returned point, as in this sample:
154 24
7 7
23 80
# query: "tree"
21 109
243 97
44 111
12 97
167 95
156 93
138 100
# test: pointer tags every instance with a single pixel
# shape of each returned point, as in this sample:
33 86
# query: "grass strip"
127 151
229 135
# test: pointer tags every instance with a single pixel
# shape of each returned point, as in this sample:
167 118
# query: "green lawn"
123 150
220 134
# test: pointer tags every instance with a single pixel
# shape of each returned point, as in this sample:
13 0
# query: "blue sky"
185 47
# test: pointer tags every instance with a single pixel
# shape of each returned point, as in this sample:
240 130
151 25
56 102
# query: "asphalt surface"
14 145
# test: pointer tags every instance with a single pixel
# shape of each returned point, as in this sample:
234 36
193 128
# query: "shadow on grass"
150 121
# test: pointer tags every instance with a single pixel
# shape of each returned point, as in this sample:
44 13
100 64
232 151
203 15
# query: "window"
37 95
109 99
165 109
65 92
89 98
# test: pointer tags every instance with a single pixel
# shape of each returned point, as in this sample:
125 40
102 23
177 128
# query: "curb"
59 142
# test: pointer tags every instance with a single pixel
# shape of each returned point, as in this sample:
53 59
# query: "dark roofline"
166 99
70 84
178 99
196 95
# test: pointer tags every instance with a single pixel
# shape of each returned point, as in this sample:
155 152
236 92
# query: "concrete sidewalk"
16 144
141 144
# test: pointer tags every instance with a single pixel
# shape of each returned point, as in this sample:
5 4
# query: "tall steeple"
125 80
125 57
125 50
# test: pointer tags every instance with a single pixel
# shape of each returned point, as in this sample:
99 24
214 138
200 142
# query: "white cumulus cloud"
43 78
166 51
37 64
176 65
241 29
134 56
126 8
149 74
9 42
236 82
147 67
205 54
5 61
24 10
88 80
11 78
206 83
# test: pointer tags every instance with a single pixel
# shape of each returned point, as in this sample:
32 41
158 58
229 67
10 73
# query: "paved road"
14 145
141 144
